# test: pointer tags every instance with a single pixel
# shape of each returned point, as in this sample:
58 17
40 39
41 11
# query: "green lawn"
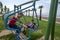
8 37
1 24
43 26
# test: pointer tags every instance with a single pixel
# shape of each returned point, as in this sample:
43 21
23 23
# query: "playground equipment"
59 2
51 21
19 10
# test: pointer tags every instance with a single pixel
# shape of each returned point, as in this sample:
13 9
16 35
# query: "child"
30 25
12 22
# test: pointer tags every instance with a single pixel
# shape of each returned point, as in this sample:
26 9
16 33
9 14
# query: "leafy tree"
1 7
5 9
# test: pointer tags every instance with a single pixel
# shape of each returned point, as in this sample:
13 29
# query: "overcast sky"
45 3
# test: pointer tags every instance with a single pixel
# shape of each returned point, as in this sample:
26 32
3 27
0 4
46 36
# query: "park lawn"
34 36
42 28
57 31
1 24
8 37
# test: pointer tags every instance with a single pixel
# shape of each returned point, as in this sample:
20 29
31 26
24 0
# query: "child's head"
20 15
32 20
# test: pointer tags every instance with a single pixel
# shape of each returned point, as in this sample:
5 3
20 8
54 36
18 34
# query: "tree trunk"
40 13
5 9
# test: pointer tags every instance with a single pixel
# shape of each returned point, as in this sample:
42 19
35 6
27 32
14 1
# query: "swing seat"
23 37
14 31
8 28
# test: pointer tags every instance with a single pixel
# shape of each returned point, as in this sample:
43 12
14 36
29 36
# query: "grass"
57 31
35 35
8 37
1 24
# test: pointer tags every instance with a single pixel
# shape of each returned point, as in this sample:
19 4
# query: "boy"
30 25
12 22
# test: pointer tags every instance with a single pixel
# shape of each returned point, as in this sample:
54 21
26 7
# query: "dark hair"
32 20
20 13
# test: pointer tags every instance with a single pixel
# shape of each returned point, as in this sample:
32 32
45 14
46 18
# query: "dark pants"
15 27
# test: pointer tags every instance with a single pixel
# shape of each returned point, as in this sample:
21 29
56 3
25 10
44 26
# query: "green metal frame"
51 21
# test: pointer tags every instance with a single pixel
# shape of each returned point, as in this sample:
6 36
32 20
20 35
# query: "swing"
14 12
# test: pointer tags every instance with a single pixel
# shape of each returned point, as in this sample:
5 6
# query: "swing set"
51 21
15 11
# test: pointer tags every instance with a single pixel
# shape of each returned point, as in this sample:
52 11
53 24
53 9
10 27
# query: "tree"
8 9
26 12
5 9
40 7
1 7
33 12
29 12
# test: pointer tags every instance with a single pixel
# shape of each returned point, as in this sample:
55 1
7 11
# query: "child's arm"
25 26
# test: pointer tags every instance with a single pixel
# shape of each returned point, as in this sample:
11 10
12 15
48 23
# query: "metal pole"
36 14
54 19
33 13
17 9
14 8
50 20
27 3
20 7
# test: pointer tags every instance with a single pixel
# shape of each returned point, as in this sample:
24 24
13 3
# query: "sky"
46 5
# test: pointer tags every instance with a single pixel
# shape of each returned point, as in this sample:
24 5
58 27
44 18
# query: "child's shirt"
31 25
13 20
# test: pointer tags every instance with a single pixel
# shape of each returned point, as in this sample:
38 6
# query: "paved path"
0 15
5 32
